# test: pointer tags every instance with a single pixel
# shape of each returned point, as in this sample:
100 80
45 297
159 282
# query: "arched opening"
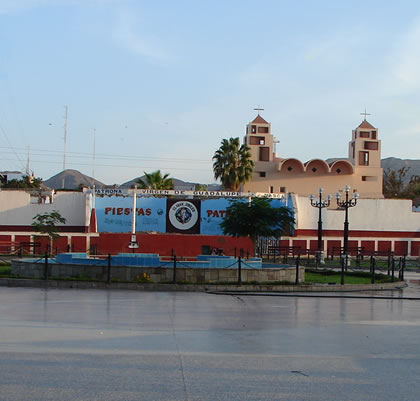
342 167
292 166
317 167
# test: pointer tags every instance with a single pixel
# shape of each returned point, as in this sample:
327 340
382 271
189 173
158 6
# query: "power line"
115 165
11 102
106 156
65 138
10 145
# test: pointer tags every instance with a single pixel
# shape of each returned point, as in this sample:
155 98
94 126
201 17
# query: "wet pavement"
128 345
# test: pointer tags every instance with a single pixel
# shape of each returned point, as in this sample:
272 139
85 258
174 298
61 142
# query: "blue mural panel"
114 214
278 202
212 213
214 210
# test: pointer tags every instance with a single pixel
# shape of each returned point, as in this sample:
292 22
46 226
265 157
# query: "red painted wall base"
169 244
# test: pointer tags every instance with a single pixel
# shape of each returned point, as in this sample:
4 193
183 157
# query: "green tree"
46 223
413 190
200 187
395 187
155 180
232 163
256 219
393 184
25 182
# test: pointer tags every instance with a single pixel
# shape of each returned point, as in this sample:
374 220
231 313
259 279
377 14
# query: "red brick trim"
358 233
65 229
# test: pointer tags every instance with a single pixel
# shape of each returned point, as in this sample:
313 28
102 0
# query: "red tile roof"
366 124
259 120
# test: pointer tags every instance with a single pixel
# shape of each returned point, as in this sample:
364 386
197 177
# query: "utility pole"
65 142
94 156
28 172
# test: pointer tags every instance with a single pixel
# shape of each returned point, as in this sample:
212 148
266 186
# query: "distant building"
11 175
362 170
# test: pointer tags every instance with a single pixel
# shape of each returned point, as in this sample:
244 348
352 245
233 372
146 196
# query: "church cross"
365 114
258 109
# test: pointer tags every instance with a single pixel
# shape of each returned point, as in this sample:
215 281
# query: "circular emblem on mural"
183 215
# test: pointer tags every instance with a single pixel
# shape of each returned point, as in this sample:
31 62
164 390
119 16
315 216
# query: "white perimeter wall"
16 209
367 215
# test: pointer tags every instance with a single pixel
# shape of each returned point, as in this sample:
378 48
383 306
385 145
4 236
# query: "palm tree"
155 180
233 164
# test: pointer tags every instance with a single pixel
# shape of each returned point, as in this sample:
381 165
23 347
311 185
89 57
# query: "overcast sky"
163 82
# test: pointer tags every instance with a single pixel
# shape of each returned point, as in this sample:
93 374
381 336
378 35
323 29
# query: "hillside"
72 180
178 184
395 163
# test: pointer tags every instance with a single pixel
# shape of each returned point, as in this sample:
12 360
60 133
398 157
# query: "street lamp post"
346 204
133 242
320 204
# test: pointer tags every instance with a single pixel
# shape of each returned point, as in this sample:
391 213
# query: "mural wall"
165 215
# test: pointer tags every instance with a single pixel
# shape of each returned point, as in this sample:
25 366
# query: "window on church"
314 170
263 130
262 173
271 189
364 158
256 140
371 145
364 134
283 190
253 129
373 134
369 178
264 154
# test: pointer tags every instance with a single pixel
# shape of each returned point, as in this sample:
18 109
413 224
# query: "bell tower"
365 147
365 155
258 137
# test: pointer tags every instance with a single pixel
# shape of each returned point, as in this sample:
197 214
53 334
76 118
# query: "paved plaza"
128 346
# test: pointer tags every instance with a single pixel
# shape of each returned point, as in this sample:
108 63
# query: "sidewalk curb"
54 284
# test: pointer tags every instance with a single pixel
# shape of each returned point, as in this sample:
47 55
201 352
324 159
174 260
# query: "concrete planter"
30 269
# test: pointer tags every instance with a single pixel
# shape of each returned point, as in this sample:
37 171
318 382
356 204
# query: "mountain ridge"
73 179
395 163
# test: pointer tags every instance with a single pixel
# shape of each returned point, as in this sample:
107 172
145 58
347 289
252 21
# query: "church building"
361 170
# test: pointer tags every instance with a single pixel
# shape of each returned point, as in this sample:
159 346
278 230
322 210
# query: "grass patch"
232 283
5 269
326 277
